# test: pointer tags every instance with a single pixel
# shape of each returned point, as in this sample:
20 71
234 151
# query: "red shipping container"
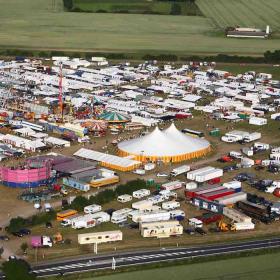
218 195
214 181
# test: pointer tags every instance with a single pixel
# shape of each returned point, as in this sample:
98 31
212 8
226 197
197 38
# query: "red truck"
209 218
226 159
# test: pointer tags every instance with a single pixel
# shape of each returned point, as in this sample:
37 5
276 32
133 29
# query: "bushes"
18 223
68 4
175 9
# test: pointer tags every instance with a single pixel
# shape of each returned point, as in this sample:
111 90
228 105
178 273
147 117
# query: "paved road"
98 262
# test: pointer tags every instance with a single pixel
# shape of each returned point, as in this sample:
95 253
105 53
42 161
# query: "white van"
93 208
124 198
176 213
195 222
141 193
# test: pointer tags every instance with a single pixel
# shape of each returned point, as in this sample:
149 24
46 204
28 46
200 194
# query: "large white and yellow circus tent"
169 145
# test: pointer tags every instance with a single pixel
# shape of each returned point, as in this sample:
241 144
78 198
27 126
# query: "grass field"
37 24
245 268
136 6
245 13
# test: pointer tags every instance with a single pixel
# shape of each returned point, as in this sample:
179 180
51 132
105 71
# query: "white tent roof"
170 142
106 158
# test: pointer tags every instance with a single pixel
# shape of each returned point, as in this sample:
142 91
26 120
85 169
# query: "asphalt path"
125 259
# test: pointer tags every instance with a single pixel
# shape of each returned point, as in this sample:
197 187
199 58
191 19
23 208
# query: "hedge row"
268 57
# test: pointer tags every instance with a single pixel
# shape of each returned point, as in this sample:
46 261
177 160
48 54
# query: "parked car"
201 231
17 234
242 177
49 225
4 237
189 231
110 211
133 226
25 231
230 168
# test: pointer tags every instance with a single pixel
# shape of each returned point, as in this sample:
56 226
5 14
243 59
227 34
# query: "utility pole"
60 97
113 264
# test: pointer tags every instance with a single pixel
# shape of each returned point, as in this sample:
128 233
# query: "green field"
136 6
36 24
249 268
244 13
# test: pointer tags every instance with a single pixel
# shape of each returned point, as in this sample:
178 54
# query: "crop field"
244 13
255 267
137 7
44 25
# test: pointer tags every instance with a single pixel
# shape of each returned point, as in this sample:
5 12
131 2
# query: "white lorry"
141 193
170 205
191 175
208 175
180 170
94 208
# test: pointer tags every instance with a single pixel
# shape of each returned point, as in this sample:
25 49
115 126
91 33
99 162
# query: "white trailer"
244 226
151 217
142 205
252 137
100 237
180 170
208 175
141 193
170 186
161 229
93 208
236 215
232 198
191 175
124 198
170 205
122 212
